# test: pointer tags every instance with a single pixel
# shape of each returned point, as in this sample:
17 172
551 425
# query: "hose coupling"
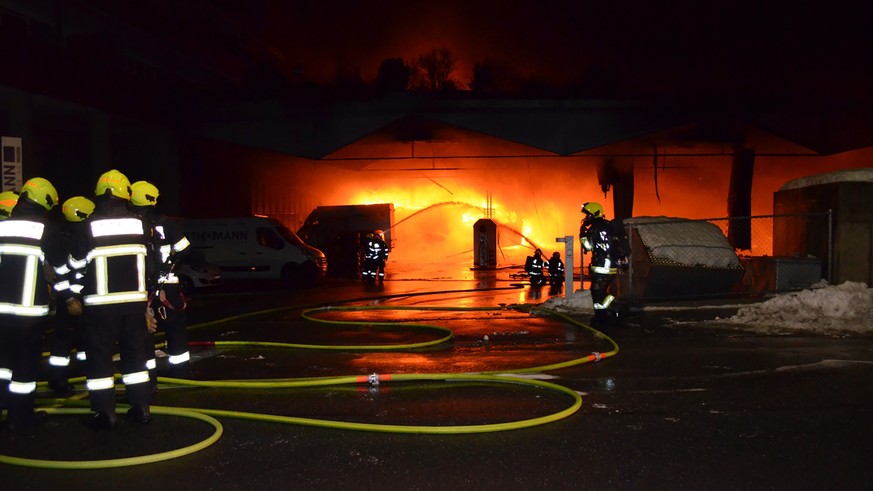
373 379
597 356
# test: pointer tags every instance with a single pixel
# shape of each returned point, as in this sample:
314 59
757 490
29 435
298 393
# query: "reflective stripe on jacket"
21 268
115 270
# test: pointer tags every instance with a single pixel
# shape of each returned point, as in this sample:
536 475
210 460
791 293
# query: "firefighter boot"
140 397
20 413
139 413
104 420
103 405
600 319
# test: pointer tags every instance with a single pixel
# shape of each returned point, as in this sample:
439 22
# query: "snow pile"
845 309
824 308
847 175
683 241
579 301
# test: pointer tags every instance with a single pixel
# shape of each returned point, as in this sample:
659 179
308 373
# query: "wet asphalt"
684 404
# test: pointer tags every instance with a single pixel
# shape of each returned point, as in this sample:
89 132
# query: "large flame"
534 201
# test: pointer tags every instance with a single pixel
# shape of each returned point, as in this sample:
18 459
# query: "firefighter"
534 267
8 199
68 327
112 255
555 267
28 242
375 256
597 237
7 202
166 299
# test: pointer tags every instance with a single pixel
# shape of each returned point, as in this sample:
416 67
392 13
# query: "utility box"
841 240
484 244
767 274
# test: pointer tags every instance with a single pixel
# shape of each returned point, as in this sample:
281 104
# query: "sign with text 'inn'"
11 178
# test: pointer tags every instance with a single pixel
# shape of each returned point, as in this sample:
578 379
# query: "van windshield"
288 235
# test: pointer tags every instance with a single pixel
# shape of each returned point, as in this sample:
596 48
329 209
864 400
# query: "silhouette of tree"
492 76
393 75
433 71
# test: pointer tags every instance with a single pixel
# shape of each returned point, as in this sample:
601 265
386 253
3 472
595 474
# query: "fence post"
830 246
630 264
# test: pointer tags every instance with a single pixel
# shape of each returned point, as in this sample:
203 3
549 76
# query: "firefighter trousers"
170 312
20 356
124 326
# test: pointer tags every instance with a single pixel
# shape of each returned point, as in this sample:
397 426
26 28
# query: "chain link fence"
674 258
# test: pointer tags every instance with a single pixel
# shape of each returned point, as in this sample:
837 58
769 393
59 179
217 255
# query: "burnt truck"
338 231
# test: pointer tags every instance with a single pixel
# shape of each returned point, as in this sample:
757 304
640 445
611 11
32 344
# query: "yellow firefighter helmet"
40 191
77 208
8 199
143 193
592 209
114 182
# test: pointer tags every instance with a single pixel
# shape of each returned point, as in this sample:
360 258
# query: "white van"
255 248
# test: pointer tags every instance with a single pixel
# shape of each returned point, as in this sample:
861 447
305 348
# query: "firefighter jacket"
597 237
29 249
167 242
112 255
555 267
66 284
534 265
376 248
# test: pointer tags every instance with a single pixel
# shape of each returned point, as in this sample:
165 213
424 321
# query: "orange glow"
404 362
534 200
431 229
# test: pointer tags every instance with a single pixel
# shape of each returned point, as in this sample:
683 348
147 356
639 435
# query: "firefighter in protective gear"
29 249
375 256
111 253
555 267
597 237
167 301
69 324
533 266
8 199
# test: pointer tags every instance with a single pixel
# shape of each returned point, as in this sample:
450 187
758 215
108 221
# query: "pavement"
682 405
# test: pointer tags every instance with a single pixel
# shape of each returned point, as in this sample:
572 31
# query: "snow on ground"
823 308
845 309
577 302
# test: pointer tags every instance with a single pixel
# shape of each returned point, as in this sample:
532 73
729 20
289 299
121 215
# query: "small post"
568 241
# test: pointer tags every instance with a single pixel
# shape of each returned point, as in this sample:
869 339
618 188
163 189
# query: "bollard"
568 241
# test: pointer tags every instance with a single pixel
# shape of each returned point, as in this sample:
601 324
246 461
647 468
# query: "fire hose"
443 335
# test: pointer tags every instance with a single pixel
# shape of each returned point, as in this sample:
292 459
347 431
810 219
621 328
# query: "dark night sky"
651 43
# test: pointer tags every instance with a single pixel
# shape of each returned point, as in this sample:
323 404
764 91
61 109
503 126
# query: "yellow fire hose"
443 335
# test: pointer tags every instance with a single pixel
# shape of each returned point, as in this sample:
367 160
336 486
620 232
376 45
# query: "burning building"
443 175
